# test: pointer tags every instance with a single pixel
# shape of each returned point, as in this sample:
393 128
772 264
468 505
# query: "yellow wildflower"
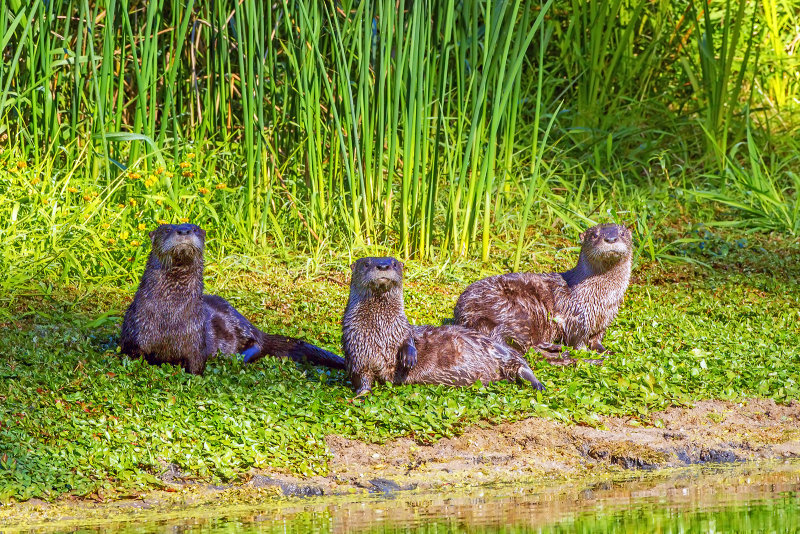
134 176
142 227
158 171
87 198
190 155
124 235
72 189
185 164
161 221
221 186
148 182
203 191
35 180
22 164
121 206
183 220
45 201
132 201
135 243
111 240
105 226
187 173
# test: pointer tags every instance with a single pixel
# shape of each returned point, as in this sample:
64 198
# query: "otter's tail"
296 349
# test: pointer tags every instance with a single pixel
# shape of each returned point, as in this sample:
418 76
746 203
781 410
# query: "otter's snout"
606 242
377 274
186 229
178 243
610 239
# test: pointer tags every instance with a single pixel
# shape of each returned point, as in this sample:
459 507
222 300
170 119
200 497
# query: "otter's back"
459 356
516 307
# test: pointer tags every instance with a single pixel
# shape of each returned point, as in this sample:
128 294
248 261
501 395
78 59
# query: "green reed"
425 128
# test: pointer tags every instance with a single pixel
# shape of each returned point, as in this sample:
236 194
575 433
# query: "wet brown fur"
381 346
171 321
546 311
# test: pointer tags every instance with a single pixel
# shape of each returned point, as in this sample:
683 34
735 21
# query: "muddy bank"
709 432
527 453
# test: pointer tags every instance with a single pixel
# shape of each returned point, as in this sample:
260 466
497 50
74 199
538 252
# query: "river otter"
171 321
380 344
574 308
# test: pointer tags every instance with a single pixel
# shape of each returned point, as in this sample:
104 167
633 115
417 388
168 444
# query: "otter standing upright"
171 321
572 308
381 346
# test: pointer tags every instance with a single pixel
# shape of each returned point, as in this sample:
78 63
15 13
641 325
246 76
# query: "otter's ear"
352 266
152 236
581 236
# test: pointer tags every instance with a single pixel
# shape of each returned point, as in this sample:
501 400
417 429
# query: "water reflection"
741 499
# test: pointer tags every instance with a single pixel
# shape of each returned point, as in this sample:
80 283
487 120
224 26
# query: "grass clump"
77 418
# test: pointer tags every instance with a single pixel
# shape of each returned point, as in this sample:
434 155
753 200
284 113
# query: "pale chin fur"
192 244
382 284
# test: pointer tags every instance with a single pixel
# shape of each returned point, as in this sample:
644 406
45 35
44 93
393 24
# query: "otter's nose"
383 264
184 229
610 239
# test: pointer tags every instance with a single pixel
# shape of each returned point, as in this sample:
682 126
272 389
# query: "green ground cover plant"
78 419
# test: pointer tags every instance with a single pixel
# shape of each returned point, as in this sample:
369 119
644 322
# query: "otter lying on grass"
171 321
573 308
380 344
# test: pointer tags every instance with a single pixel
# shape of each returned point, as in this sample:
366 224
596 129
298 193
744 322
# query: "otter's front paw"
363 392
408 355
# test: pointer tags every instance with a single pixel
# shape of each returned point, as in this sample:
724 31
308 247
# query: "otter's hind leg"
196 364
362 383
596 344
549 347
250 353
526 373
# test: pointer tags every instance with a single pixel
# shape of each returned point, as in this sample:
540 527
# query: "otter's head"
606 245
378 275
178 244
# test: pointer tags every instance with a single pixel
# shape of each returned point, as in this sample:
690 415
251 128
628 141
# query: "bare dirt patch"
710 432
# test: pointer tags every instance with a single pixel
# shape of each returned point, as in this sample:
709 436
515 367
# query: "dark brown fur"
545 311
381 346
171 321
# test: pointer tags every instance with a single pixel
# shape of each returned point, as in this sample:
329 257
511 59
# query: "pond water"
707 500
